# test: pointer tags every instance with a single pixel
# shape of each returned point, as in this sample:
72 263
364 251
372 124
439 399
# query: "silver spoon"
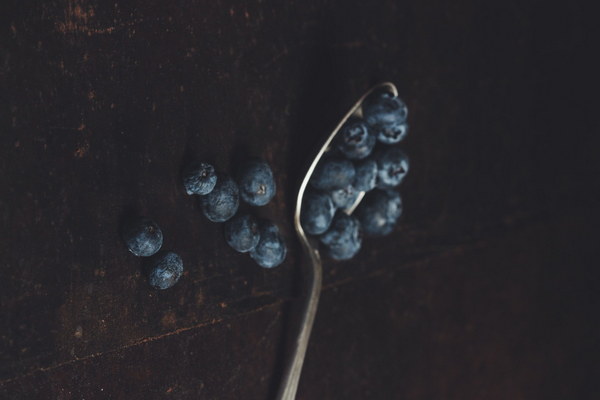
311 264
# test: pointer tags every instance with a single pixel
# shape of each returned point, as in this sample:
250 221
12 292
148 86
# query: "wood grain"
104 102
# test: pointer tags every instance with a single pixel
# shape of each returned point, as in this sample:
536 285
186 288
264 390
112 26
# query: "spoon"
312 264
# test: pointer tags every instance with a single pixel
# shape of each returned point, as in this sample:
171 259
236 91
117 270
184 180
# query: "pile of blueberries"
363 158
219 197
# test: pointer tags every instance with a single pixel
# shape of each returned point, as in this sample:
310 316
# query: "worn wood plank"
105 102
464 324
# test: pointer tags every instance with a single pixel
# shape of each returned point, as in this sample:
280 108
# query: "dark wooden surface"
488 288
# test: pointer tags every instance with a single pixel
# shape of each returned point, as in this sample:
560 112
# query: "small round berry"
393 134
379 211
317 212
385 114
366 175
257 184
344 198
392 167
199 178
333 173
142 236
343 238
223 201
270 250
166 271
241 233
354 139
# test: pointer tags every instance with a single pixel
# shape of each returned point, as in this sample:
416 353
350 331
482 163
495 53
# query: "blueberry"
241 233
317 212
332 173
344 198
199 178
379 211
366 175
142 236
343 238
270 250
386 115
354 139
392 167
257 185
394 134
223 201
166 271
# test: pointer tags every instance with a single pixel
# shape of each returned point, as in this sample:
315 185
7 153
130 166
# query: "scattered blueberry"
270 250
354 139
392 167
366 175
166 271
344 198
241 233
386 115
379 211
223 201
344 238
332 173
257 185
317 212
199 178
142 236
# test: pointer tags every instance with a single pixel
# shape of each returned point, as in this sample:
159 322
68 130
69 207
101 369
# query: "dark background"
488 289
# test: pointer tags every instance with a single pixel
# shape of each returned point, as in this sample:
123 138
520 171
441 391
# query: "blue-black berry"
142 236
257 184
392 167
365 178
386 115
344 198
199 178
343 238
332 174
242 233
223 201
270 250
317 212
166 270
379 211
354 139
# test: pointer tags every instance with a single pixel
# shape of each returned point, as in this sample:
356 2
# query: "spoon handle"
313 270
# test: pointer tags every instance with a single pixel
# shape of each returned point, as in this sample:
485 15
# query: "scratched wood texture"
487 289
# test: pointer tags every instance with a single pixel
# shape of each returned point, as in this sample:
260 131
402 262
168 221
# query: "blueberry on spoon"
386 115
355 140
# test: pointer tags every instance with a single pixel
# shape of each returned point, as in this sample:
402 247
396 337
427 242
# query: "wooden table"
488 289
